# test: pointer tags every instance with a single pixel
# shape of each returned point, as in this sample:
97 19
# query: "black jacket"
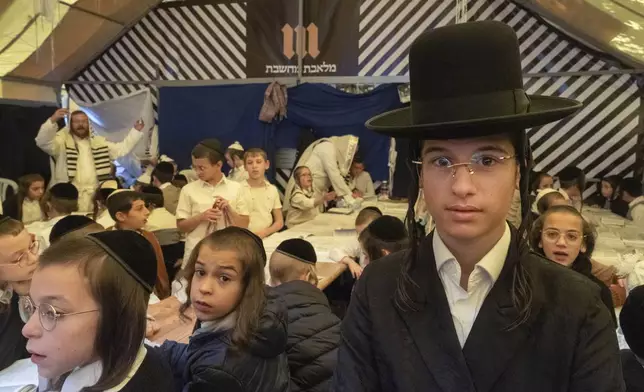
209 362
633 372
567 343
153 375
13 346
583 265
313 336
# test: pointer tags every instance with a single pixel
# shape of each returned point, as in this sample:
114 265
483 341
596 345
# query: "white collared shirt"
164 185
88 375
261 202
198 196
161 219
466 304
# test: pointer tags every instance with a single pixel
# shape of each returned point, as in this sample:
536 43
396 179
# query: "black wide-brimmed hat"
466 81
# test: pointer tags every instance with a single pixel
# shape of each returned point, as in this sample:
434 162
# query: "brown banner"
327 41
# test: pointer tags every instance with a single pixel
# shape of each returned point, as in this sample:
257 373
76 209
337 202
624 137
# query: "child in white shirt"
632 194
305 203
352 255
235 159
262 198
211 203
160 218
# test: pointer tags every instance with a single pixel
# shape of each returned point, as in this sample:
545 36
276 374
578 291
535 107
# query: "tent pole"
301 41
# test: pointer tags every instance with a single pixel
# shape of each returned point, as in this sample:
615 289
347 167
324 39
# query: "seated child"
563 236
547 198
304 203
572 180
383 236
101 284
160 218
235 159
73 226
25 205
631 320
632 194
128 210
18 260
240 337
361 182
313 329
162 179
262 197
59 201
352 255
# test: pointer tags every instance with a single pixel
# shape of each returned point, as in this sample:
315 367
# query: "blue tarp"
230 113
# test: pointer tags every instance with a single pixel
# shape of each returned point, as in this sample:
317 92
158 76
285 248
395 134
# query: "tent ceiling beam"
96 14
20 79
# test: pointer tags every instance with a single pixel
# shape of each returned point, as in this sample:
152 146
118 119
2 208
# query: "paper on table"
23 373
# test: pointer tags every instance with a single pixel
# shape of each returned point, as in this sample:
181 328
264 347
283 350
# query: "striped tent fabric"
197 42
170 43
601 139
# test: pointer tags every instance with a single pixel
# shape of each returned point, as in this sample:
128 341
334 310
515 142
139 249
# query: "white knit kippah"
236 146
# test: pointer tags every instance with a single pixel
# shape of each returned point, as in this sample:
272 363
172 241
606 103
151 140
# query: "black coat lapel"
431 326
491 345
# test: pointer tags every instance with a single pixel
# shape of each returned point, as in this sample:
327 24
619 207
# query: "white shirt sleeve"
327 154
353 250
120 149
240 205
46 139
184 206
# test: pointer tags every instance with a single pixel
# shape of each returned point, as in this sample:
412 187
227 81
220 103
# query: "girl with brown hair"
18 260
25 205
240 338
86 316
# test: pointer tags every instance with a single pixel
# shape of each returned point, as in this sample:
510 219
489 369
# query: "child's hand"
354 267
222 203
329 196
210 215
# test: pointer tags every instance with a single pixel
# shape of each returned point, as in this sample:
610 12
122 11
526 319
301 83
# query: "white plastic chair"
5 184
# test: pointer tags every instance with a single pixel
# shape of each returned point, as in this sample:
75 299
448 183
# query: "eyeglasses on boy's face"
482 163
23 258
47 314
572 237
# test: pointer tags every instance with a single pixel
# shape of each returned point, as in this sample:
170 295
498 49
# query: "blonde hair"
11 227
252 152
285 269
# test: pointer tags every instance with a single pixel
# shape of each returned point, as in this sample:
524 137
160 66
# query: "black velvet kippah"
64 190
255 238
133 252
299 249
67 225
388 228
213 144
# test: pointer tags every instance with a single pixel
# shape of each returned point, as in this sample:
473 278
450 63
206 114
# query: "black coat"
633 372
211 363
583 265
313 336
154 375
567 343
13 346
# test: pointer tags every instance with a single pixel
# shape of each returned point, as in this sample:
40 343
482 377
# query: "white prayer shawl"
329 160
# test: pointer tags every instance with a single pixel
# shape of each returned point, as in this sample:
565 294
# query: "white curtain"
113 120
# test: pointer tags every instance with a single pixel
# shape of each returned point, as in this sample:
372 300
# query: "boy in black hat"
469 307
313 329
211 203
631 320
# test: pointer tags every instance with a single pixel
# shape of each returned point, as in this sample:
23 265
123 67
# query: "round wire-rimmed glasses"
47 314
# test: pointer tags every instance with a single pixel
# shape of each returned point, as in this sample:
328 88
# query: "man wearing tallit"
329 160
80 157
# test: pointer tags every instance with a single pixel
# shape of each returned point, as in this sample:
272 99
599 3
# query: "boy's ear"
120 216
268 164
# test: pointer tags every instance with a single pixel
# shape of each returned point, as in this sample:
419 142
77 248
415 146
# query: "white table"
616 235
